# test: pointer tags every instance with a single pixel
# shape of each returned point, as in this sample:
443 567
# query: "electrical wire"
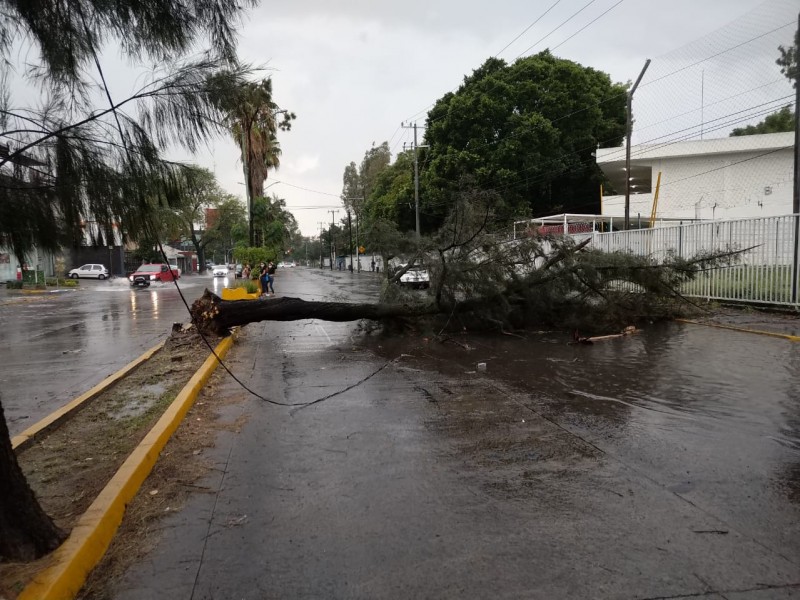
587 25
532 46
186 304
524 31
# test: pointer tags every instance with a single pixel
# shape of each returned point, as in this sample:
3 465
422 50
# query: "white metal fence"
767 273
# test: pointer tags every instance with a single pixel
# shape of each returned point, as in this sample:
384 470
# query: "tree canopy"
783 120
788 59
526 130
76 156
251 114
83 154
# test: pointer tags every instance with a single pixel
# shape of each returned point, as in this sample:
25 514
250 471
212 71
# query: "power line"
524 31
587 25
305 189
585 6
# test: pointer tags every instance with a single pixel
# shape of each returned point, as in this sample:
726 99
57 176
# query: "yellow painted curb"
94 531
785 336
239 293
26 438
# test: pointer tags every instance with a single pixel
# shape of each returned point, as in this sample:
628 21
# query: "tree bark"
26 532
212 314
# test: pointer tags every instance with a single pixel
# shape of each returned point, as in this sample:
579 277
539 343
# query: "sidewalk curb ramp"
93 532
27 437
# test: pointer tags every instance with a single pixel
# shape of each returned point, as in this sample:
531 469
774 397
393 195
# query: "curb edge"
95 529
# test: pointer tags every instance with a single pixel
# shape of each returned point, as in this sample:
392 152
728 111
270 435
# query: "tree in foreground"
72 158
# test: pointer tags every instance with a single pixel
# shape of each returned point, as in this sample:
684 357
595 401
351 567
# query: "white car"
93 271
220 270
417 277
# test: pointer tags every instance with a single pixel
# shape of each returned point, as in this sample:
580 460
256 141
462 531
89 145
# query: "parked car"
220 270
416 277
148 273
291 263
238 270
281 265
91 270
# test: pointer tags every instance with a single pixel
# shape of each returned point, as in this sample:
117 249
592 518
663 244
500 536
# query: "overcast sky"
352 70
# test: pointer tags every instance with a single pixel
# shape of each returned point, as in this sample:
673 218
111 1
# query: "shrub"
11 284
31 276
70 283
252 286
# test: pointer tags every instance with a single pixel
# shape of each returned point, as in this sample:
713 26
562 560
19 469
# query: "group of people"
265 273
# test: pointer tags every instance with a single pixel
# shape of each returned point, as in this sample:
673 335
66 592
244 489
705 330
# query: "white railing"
767 273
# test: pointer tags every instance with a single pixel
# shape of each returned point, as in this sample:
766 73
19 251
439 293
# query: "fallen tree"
212 314
483 281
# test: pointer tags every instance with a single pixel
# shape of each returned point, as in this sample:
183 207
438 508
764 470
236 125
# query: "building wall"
724 186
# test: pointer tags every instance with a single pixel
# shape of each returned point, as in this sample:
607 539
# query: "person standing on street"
271 276
263 278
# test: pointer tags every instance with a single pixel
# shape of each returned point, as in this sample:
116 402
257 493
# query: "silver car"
92 271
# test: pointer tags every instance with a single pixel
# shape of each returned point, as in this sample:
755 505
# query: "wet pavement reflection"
57 346
711 415
659 465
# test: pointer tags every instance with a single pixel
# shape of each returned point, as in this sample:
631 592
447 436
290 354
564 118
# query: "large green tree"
275 227
75 156
199 192
228 229
359 182
392 196
527 131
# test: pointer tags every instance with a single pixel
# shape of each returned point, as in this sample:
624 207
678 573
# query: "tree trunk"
212 314
26 532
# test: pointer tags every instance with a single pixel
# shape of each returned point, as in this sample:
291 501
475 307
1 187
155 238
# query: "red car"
146 274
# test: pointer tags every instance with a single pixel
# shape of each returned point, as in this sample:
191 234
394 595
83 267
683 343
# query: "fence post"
795 261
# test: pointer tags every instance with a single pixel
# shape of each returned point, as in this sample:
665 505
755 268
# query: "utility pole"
321 264
416 173
628 130
333 250
350 227
356 209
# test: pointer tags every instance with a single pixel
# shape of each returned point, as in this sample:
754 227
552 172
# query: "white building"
725 178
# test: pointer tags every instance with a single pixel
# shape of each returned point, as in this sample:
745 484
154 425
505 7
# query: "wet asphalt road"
57 346
662 465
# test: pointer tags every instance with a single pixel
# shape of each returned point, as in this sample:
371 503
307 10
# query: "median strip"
94 531
27 437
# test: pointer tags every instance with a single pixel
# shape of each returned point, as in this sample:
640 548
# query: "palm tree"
252 116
